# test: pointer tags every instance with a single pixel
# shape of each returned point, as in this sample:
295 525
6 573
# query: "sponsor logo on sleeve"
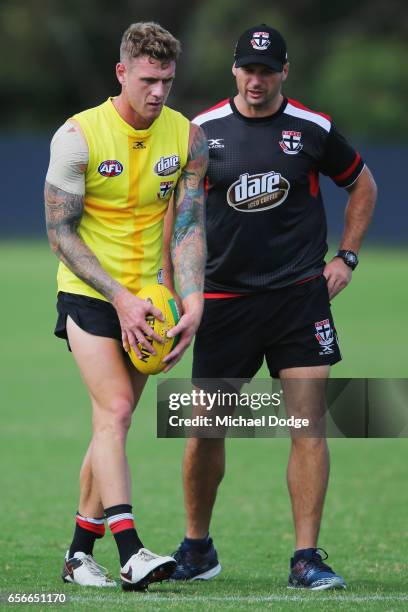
325 336
167 165
260 41
256 192
110 167
216 143
290 143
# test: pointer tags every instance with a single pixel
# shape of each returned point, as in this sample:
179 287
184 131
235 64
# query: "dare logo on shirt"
167 165
110 167
256 192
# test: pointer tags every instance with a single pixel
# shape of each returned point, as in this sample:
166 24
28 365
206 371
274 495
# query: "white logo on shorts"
325 336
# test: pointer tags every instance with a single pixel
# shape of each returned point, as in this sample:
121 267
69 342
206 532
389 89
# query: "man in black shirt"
267 285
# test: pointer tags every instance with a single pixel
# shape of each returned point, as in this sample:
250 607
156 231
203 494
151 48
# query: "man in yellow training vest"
112 171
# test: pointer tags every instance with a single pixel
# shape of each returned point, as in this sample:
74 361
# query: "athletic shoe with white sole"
310 572
194 565
145 567
84 570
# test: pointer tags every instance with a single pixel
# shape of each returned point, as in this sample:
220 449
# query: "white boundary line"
340 596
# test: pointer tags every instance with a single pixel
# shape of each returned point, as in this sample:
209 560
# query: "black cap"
261 45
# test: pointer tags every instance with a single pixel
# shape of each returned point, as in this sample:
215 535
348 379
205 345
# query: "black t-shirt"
266 225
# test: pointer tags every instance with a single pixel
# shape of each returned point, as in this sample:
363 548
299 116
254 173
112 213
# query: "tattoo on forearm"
189 247
188 243
198 149
63 213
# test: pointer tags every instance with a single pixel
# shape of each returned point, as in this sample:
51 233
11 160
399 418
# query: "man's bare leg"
203 470
105 479
90 504
114 390
308 467
308 475
106 375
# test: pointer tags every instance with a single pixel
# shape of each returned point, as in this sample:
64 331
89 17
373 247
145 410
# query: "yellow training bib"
130 177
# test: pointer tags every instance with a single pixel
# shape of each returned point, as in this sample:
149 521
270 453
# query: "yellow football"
161 298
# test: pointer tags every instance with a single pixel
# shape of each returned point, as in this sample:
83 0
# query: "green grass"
46 426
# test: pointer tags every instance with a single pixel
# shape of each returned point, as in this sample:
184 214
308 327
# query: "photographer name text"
239 421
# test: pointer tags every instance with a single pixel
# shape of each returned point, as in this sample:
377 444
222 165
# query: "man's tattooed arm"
63 212
188 243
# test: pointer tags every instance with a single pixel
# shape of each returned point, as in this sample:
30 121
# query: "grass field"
45 429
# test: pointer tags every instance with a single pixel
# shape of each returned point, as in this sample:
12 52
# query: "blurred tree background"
347 59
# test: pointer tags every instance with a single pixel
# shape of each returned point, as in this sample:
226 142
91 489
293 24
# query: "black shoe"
309 572
194 565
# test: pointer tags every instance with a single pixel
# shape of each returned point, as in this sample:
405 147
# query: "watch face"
350 259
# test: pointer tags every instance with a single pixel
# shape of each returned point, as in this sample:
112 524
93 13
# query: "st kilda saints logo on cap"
290 143
260 41
110 167
167 165
256 192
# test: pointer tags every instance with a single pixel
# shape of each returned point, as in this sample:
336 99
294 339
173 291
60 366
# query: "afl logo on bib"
256 192
110 167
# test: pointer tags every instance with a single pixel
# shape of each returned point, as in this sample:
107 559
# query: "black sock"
200 545
121 522
87 530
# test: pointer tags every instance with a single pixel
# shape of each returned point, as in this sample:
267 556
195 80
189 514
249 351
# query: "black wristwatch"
349 257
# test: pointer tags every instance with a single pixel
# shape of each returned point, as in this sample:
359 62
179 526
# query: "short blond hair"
149 38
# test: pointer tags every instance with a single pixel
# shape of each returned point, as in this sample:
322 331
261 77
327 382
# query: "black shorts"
94 316
291 327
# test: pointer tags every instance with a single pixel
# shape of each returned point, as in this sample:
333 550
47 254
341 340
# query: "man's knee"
115 416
